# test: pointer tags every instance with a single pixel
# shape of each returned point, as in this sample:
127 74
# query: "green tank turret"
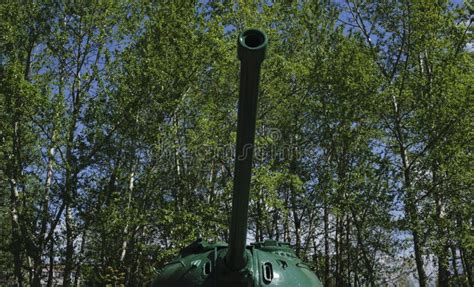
269 263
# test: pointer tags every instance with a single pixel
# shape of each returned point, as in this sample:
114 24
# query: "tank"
235 264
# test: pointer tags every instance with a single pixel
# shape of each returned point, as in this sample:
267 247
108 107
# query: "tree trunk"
258 223
13 172
51 263
443 263
16 235
363 250
69 258
297 221
77 276
326 245
286 225
454 264
43 237
294 208
419 259
466 262
71 176
127 211
410 206
338 252
37 269
348 251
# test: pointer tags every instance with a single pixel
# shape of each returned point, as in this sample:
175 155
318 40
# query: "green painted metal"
269 263
251 47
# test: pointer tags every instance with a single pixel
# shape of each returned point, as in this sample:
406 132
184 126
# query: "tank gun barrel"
251 46
263 264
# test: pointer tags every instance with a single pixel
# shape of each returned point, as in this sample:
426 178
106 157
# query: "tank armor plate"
269 263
